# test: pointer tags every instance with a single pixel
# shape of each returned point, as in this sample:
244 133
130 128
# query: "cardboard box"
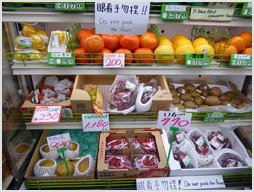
29 176
104 172
81 102
28 106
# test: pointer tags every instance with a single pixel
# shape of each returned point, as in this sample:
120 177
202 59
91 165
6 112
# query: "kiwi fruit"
212 100
203 105
189 105
171 86
236 100
194 93
230 94
190 87
198 100
223 97
215 91
203 87
173 92
180 90
176 100
226 102
179 106
204 93
186 97
240 106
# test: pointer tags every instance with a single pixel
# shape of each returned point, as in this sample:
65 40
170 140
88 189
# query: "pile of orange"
141 45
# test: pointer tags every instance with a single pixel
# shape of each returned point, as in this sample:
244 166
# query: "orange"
211 41
148 40
93 30
98 58
130 42
219 47
93 44
228 51
110 41
83 33
247 51
82 58
247 38
128 57
238 42
148 54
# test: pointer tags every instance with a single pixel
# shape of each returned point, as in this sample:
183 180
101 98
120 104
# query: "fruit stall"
127 95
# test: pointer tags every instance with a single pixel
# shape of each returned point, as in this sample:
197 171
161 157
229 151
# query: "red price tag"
113 60
59 141
167 119
47 114
94 122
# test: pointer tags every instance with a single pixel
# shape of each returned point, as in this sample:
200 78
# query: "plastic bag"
147 145
51 81
123 93
217 140
118 161
145 95
146 161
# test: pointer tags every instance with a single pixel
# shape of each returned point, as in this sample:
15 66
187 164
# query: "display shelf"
150 70
136 124
49 16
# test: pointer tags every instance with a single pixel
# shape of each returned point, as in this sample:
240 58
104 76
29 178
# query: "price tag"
240 60
211 14
59 141
175 12
113 60
63 58
70 6
214 117
130 18
167 119
94 122
47 114
25 41
181 183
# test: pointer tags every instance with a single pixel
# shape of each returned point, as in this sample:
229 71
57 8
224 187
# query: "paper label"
180 137
167 119
148 89
113 60
131 86
208 14
175 8
214 142
25 41
47 114
186 161
221 137
200 142
130 18
59 141
181 183
94 122
55 42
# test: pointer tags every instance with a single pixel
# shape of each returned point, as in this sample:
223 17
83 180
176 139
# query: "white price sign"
59 141
47 114
167 119
94 122
181 183
130 18
113 60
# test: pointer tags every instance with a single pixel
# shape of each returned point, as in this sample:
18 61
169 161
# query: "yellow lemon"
180 42
35 54
19 55
182 50
37 41
28 30
179 36
205 49
164 49
200 41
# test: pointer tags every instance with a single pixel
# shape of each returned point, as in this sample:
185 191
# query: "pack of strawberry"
116 146
146 161
147 145
118 161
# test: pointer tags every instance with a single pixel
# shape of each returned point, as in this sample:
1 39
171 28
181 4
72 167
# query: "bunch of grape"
230 160
183 159
147 95
223 141
202 150
93 95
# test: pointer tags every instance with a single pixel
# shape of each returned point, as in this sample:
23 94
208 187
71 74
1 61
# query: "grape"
93 98
93 92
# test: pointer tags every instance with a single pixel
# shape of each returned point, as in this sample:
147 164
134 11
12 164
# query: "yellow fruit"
20 56
46 149
200 41
17 45
37 41
182 50
205 49
35 54
164 49
179 36
61 36
41 32
165 41
47 163
28 30
181 42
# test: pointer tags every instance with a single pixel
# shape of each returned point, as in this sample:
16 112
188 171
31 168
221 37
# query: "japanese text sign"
94 122
167 119
121 17
47 114
181 183
113 60
59 141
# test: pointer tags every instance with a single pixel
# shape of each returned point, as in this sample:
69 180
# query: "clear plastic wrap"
146 161
147 145
118 161
123 93
186 160
217 140
228 158
114 146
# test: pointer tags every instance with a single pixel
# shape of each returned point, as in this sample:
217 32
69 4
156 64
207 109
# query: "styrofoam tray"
237 146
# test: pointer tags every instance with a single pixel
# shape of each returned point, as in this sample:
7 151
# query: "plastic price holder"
175 12
69 6
246 9
214 117
240 60
197 60
61 59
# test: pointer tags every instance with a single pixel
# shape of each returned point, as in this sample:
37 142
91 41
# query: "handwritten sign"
181 183
167 119
59 141
47 114
130 18
208 14
113 60
94 122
